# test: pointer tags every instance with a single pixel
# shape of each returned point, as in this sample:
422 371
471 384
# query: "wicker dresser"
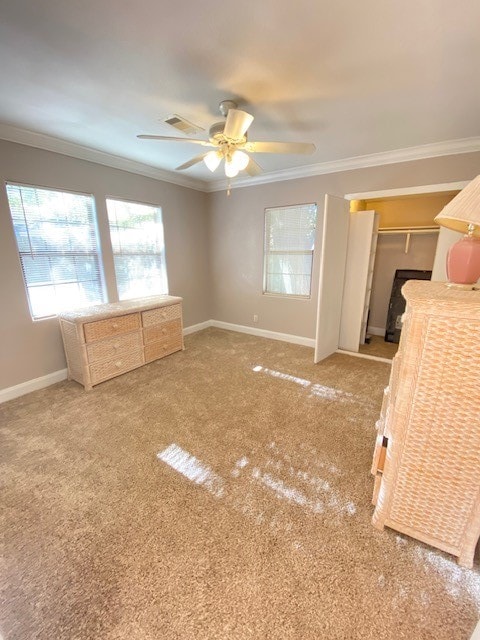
106 340
427 455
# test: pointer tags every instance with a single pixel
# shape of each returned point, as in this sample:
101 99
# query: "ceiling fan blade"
191 162
280 147
237 124
204 143
253 168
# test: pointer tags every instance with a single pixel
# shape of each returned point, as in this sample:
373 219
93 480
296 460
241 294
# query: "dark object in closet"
396 307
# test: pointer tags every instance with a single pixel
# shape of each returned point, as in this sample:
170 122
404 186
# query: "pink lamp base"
463 261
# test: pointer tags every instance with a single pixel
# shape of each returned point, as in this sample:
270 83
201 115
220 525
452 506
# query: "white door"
332 273
362 242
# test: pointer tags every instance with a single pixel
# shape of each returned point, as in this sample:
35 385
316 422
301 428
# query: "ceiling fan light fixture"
212 160
240 160
231 169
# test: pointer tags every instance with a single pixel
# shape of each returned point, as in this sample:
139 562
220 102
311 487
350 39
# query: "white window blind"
138 247
57 244
289 245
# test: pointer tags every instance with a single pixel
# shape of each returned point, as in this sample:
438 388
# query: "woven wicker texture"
73 350
114 347
115 309
157 350
166 330
443 435
106 369
102 349
111 327
163 314
430 488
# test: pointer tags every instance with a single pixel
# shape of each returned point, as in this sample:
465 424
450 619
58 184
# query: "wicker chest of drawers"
427 455
106 340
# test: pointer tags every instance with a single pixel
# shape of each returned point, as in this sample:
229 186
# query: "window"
58 248
289 244
138 247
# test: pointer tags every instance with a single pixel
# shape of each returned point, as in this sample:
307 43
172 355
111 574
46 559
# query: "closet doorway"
403 236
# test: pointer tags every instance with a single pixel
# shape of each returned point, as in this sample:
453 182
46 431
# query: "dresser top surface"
425 291
113 309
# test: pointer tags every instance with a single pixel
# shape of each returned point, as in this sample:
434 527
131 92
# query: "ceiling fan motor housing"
225 106
215 134
216 131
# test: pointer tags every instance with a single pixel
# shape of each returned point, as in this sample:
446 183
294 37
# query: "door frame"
398 192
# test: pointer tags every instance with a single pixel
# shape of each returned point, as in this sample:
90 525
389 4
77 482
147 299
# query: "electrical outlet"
255 318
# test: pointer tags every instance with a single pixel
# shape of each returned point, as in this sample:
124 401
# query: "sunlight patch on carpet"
283 376
316 390
291 494
190 467
456 578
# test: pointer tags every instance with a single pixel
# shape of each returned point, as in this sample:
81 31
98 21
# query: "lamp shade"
463 210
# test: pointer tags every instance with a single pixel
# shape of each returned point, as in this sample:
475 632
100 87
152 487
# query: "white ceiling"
353 77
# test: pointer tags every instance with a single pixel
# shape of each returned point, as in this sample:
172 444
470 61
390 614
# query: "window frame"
96 235
266 253
153 205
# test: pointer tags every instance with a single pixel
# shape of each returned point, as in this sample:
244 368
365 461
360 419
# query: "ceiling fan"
229 142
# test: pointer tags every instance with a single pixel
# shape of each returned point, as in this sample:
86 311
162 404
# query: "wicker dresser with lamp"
427 455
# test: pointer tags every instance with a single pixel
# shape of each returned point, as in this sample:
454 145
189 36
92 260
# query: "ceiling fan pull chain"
229 188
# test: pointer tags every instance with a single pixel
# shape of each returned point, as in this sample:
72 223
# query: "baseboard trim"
197 327
32 385
376 331
364 356
264 333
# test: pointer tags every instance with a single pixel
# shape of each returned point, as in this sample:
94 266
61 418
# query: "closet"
385 235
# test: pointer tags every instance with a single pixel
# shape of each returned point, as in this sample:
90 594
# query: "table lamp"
463 214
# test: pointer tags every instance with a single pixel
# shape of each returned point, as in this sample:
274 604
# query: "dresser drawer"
111 327
114 347
105 369
162 332
161 314
156 350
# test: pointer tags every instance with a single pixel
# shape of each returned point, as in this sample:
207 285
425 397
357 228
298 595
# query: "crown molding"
422 152
408 191
57 145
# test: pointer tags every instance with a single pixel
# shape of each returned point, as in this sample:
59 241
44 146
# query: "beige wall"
236 235
214 244
236 250
32 349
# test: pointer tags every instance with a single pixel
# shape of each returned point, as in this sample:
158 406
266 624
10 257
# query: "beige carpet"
221 493
378 347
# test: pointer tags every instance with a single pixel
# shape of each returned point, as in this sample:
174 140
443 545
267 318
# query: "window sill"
286 296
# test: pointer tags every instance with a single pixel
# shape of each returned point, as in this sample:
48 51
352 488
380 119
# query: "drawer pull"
118 364
164 331
164 314
116 346
115 325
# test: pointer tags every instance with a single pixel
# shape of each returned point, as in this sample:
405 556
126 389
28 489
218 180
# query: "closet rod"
408 231
417 230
